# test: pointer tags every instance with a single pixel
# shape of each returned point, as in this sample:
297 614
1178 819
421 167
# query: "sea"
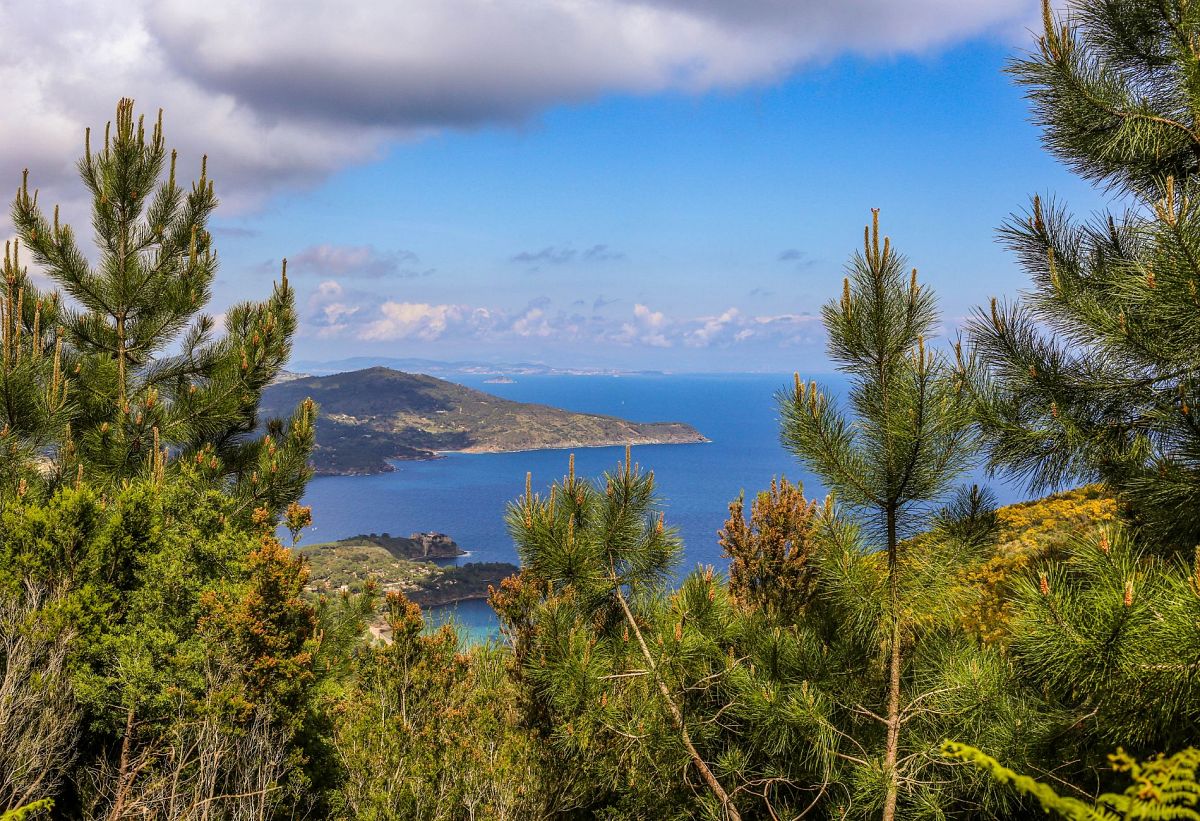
464 495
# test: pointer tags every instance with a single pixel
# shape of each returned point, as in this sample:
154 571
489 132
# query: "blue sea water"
465 495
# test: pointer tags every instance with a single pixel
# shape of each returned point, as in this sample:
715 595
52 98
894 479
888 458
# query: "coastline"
442 454
703 440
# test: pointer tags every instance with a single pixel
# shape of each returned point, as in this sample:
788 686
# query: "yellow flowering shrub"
1028 533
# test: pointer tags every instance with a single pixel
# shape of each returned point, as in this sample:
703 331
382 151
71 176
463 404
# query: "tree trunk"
124 776
893 705
677 715
123 249
121 391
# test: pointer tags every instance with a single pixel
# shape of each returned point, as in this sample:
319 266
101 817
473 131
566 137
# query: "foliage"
181 638
1162 787
770 555
428 732
911 435
599 558
34 406
267 630
1109 635
129 408
1093 373
1026 535
29 811
138 487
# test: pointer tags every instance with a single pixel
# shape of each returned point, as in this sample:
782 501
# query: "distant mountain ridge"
370 416
464 367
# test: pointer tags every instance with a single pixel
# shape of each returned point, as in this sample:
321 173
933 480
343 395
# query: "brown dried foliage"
770 565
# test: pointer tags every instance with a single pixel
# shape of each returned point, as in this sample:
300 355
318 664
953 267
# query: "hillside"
1026 534
417 547
393 564
370 416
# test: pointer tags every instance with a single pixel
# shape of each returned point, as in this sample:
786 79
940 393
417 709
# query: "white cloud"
533 323
712 328
646 327
647 317
281 93
419 320
334 311
329 312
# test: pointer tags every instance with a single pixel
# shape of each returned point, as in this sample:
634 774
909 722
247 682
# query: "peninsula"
405 564
372 416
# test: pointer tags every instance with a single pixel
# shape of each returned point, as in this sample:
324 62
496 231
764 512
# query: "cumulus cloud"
730 327
646 327
647 317
356 261
713 328
281 93
334 311
329 310
533 323
419 320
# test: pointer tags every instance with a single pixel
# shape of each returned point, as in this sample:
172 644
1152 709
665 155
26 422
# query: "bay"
465 495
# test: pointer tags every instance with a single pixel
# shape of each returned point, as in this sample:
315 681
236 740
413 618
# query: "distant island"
460 367
398 563
371 416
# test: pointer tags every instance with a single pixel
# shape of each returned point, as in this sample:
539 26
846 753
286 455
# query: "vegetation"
355 565
912 436
1027 535
373 415
1093 374
416 546
163 655
1162 787
85 378
426 732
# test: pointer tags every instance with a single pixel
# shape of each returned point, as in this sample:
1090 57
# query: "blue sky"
691 225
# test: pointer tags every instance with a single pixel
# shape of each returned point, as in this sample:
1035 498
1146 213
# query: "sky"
632 184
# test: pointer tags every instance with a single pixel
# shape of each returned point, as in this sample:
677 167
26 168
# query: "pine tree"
910 437
1092 374
34 407
1095 372
603 557
1110 637
136 404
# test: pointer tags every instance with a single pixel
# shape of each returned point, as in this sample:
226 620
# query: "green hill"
370 416
396 563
